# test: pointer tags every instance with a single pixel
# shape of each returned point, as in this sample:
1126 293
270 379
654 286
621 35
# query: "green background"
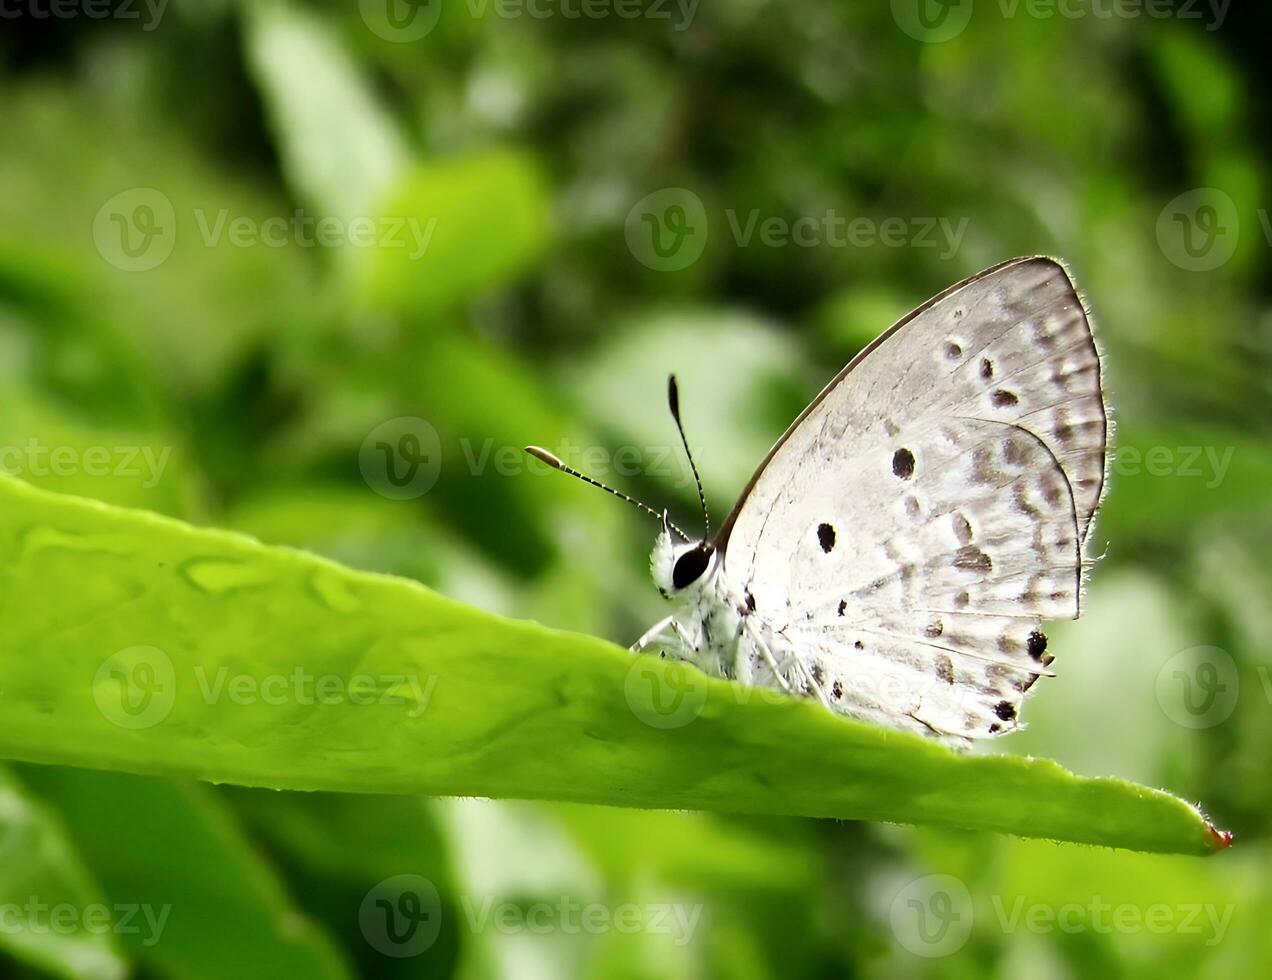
160 299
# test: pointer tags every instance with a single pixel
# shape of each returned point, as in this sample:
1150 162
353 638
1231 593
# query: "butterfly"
896 553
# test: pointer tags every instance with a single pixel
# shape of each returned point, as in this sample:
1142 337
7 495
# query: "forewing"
928 510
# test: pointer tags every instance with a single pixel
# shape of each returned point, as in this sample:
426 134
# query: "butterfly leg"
767 654
811 681
655 632
675 637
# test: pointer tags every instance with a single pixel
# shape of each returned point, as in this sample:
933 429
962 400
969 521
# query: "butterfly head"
681 568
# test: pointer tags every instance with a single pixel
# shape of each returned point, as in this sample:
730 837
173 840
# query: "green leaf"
201 882
136 642
467 224
42 876
340 149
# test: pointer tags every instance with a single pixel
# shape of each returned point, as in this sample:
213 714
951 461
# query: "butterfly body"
714 626
896 553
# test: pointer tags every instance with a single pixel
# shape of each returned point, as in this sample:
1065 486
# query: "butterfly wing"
917 523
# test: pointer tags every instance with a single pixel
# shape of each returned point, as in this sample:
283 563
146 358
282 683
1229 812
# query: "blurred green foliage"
261 365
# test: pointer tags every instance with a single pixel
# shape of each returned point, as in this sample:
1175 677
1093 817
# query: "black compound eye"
690 566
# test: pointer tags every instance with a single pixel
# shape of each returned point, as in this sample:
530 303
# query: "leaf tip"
1219 839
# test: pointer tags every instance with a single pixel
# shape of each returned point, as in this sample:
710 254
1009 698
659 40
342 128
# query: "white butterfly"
895 554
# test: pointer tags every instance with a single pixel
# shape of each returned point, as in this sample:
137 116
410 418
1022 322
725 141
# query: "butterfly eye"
690 566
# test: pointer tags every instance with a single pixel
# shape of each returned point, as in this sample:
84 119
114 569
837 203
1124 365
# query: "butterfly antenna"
673 401
542 454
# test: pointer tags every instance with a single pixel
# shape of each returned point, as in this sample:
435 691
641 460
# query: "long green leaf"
53 915
201 882
136 642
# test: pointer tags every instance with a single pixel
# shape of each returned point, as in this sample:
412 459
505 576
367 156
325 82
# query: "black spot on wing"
903 464
972 559
825 537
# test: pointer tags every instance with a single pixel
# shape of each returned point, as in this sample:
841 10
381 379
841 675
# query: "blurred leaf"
341 151
47 448
463 225
138 642
41 875
199 885
741 384
55 341
1164 480
335 849
1107 665
510 856
193 312
393 833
